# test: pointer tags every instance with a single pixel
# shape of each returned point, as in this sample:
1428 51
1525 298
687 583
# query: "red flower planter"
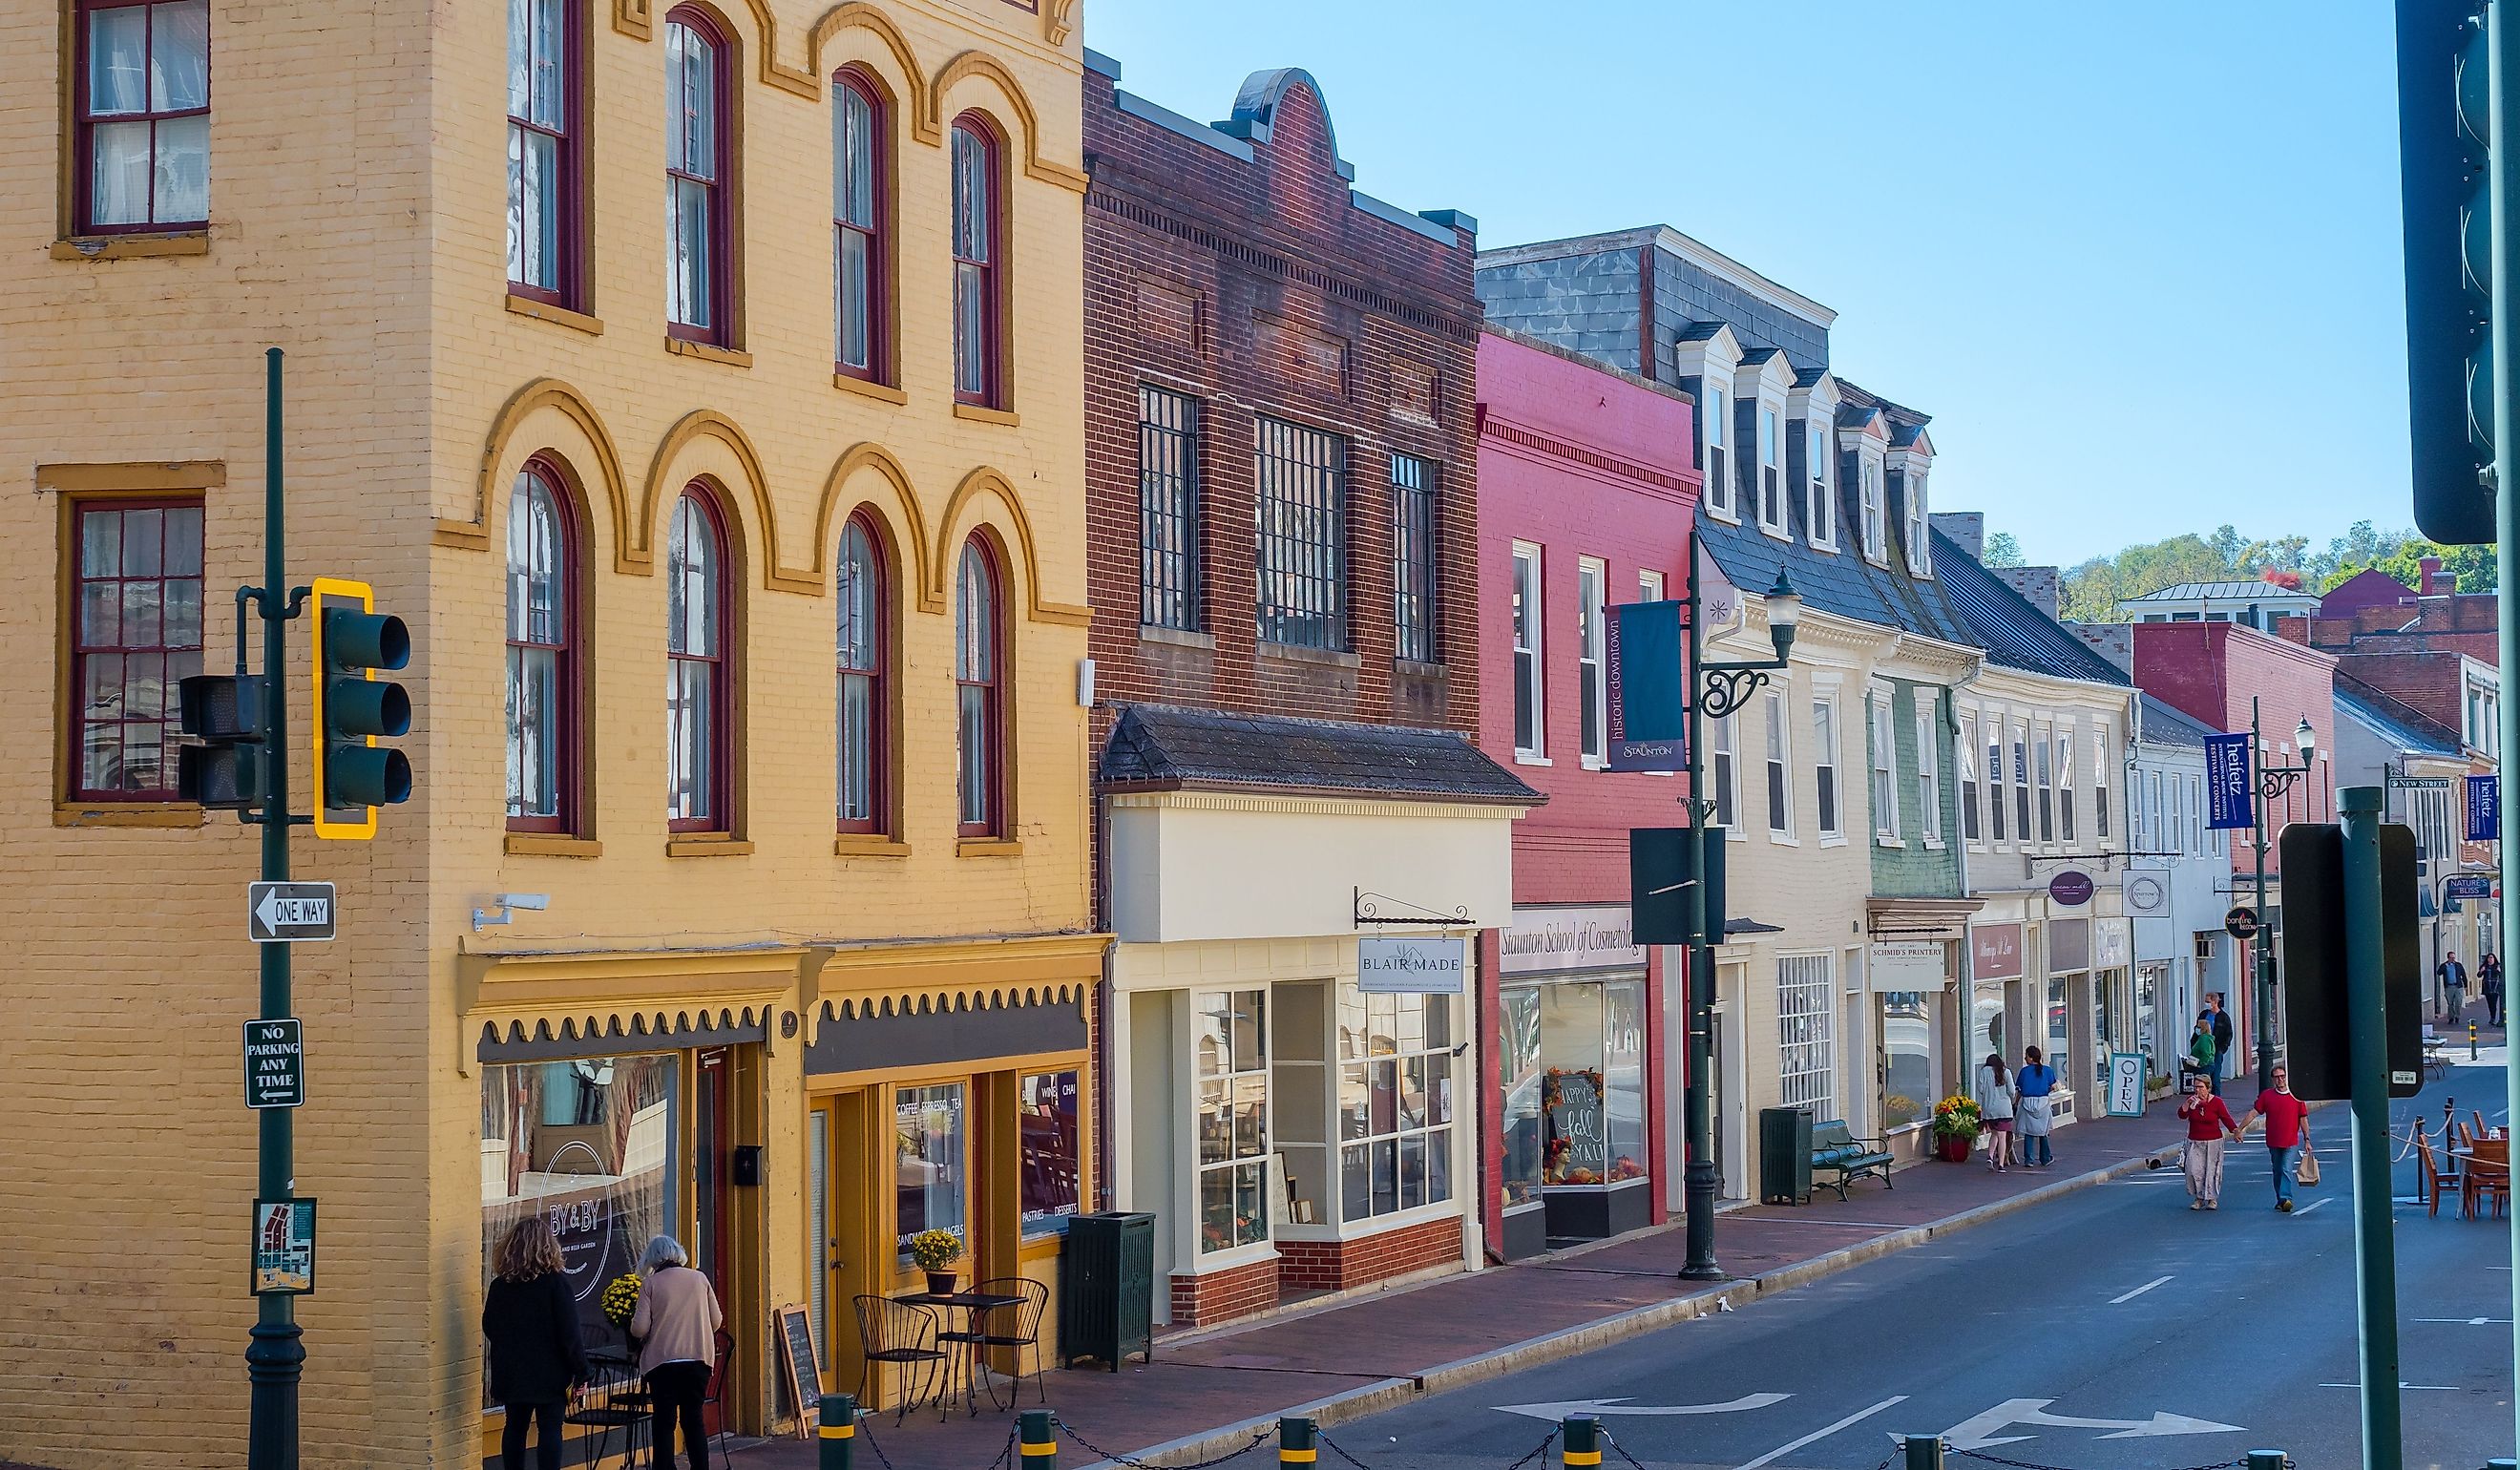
1951 1150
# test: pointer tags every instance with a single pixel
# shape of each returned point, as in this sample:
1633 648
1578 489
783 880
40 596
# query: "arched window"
542 655
697 279
977 225
858 265
697 686
864 631
978 671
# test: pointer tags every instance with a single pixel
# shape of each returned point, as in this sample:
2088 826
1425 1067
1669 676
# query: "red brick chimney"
2434 583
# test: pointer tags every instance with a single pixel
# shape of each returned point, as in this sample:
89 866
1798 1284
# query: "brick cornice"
1671 485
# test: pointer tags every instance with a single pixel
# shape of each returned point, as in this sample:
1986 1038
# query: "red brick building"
1296 839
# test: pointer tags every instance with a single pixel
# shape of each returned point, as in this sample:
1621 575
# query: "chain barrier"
866 1431
1621 1451
2234 1463
1259 1439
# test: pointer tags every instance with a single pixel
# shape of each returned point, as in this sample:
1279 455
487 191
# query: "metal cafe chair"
1017 1328
618 1400
902 1334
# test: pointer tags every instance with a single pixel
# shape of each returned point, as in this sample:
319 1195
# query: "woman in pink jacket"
676 1325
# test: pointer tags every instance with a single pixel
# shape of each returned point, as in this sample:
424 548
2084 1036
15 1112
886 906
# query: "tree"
2094 589
2001 551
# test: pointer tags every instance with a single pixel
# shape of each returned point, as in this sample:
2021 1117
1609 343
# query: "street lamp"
1715 690
2273 782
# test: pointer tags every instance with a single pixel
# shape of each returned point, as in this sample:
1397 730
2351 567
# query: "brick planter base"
1222 1295
1339 1264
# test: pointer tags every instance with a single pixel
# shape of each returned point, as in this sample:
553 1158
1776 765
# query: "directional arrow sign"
1553 1412
1983 1430
286 913
275 1063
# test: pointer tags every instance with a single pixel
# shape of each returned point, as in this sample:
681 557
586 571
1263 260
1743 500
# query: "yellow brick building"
812 450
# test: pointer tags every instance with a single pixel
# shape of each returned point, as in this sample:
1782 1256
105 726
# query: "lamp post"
1715 690
2273 782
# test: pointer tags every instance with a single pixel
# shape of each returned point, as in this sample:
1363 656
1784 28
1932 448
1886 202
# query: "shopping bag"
2308 1170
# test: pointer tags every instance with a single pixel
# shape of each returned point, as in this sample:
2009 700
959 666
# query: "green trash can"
1106 1288
1784 1156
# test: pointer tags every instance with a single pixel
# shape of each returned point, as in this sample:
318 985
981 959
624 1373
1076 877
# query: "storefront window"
1986 1029
1231 1047
2057 1026
1908 1087
1519 1074
1045 1114
2105 1029
1395 1102
1624 1051
927 1154
593 1143
1592 1094
2148 1016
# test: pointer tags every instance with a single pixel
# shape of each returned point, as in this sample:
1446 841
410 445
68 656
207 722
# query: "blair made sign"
1431 964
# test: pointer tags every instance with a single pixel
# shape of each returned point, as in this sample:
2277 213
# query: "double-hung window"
1874 528
1967 753
1920 551
862 638
1724 773
1929 771
1823 508
2065 785
143 108
1168 509
2021 780
979 713
1885 772
979 308
1772 472
1994 779
1780 767
699 682
2046 774
1825 765
1414 486
2196 833
1649 584
860 273
1230 1067
2100 784
542 665
1395 1103
1529 672
2155 838
1718 419
1302 531
136 617
1591 674
1806 1033
542 151
698 278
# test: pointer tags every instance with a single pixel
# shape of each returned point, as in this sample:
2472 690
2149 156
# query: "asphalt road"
2212 1333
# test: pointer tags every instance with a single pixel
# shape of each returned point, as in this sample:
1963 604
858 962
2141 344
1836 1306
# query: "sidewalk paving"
1365 1354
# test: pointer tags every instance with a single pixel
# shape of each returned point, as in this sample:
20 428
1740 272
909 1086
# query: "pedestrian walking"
2489 982
2209 1123
2034 1111
1995 1108
2199 1060
2220 1020
2287 1119
537 1359
677 1323
2454 986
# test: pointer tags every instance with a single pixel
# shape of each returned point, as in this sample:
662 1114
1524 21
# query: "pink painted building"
1586 497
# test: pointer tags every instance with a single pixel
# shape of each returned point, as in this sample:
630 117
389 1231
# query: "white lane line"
2316 1204
2430 1388
2141 1290
1781 1450
2469 1321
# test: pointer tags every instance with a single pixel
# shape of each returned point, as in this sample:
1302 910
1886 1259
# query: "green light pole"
2272 781
1715 689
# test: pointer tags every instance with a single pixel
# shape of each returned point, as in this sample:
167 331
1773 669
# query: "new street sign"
275 1064
287 913
2418 782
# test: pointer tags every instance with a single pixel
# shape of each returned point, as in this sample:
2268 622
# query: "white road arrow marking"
1555 1412
1817 1434
1980 1432
2141 1290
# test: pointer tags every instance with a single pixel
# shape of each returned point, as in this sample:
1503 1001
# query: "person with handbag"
1993 1096
2287 1137
2208 1123
2033 1111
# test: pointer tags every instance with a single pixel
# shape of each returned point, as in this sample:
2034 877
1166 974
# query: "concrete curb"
1355 1403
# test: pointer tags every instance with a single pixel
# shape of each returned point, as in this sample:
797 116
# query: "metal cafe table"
976 1307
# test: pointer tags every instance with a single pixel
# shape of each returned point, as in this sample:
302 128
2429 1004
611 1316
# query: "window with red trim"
978 670
142 107
136 628
865 630
978 224
699 281
542 151
858 186
698 679
542 654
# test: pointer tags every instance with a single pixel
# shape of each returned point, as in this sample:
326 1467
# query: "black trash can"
1106 1288
1784 1156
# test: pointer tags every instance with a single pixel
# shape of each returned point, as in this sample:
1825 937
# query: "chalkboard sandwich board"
802 1365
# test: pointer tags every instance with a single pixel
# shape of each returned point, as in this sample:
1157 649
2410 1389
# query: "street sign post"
289 912
275 1063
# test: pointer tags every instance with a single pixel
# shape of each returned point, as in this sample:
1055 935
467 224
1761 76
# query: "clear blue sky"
2138 258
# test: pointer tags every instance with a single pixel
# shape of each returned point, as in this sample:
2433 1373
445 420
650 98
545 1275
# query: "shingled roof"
2014 633
1165 747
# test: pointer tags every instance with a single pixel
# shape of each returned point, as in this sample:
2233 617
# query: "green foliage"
2094 589
2471 566
2001 550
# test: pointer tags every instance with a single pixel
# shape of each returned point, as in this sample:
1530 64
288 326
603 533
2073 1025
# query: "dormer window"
1719 453
1771 473
1823 509
1921 557
1875 531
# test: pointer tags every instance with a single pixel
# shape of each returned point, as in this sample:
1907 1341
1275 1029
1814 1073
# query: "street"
2112 1328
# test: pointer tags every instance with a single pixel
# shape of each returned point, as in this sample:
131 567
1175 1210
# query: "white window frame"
1777 792
1530 652
1592 676
1998 817
1829 790
1920 549
2022 813
2100 784
1649 584
2042 773
2196 833
1929 773
2065 788
2155 832
1233 1080
1876 528
1972 820
1717 421
1772 468
1724 775
1822 507
1806 1032
1883 744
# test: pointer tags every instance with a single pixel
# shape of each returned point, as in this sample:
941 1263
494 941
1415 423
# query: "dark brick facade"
1221 1296
1339 1264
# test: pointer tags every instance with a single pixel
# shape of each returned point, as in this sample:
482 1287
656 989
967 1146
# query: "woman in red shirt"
2208 1123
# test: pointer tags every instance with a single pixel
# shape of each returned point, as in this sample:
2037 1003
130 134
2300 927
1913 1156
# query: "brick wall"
1221 1296
1339 1264
2212 671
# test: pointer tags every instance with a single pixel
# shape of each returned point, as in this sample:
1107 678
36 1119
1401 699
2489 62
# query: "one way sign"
286 913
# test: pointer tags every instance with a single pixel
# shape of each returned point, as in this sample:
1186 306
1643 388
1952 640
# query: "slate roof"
2014 633
1165 747
2399 724
2193 591
2165 724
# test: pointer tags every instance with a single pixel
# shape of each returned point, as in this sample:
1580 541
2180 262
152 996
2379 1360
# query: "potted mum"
936 1251
1957 1124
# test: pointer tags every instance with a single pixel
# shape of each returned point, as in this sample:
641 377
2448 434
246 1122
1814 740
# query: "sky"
2138 258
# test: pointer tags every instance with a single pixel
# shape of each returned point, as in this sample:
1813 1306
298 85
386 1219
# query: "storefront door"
711 1147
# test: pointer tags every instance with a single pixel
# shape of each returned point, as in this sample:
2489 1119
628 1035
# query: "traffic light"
224 712
351 707
2443 125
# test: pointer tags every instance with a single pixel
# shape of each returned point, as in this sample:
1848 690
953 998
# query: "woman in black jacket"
536 1360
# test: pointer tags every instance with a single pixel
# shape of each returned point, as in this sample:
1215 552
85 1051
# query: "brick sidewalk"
1214 1380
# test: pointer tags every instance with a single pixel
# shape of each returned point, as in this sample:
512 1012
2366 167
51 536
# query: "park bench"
1835 1148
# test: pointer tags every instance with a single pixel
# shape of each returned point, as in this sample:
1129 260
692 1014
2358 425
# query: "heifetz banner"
1649 707
2227 783
2485 809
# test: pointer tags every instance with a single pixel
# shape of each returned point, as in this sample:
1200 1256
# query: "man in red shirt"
2209 1121
2286 1116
